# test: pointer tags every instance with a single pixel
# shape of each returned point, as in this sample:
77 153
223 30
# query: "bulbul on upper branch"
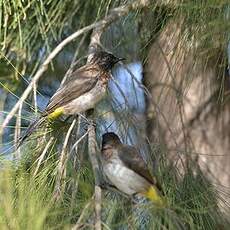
81 91
127 171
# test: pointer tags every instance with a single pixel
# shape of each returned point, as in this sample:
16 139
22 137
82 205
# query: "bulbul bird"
81 91
127 171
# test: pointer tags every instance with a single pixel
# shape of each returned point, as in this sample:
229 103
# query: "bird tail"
154 195
33 126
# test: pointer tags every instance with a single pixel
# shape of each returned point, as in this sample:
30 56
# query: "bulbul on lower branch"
127 171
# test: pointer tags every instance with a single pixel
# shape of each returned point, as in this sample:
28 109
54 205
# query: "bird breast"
125 179
87 100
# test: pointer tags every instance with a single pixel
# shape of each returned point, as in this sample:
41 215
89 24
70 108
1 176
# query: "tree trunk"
183 113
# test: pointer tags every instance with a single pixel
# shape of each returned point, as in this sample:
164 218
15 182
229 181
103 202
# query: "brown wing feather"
80 82
131 158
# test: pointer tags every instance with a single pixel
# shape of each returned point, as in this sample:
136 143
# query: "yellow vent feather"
153 195
56 113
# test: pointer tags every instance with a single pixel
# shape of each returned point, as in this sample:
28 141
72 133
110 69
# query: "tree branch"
94 46
95 166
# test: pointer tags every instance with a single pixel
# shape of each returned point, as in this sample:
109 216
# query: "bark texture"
183 112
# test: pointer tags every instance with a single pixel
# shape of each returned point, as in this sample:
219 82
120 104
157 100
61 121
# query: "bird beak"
120 59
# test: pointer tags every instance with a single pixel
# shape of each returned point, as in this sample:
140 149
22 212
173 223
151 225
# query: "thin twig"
114 15
83 213
40 159
18 132
62 162
76 166
76 146
78 141
35 98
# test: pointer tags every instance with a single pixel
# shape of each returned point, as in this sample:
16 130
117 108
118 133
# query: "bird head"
105 60
110 138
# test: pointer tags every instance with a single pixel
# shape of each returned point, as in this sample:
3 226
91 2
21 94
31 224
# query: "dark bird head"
110 139
105 60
